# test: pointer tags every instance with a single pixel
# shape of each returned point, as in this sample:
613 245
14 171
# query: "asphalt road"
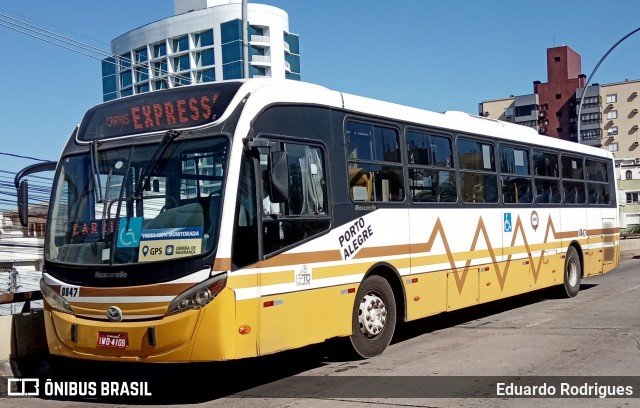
533 339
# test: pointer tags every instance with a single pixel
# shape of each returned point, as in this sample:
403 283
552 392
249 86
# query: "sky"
437 55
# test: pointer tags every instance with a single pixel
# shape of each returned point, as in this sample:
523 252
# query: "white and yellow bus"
237 219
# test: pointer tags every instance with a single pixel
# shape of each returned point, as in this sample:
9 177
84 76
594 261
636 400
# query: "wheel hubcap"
372 315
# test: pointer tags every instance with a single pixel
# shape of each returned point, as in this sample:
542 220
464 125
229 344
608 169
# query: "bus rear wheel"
572 274
374 317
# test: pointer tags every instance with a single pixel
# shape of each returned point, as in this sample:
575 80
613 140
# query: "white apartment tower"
202 42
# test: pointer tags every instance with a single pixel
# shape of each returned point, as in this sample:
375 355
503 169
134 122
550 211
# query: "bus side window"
305 213
373 159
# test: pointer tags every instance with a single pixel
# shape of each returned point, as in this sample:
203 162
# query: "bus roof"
452 121
198 105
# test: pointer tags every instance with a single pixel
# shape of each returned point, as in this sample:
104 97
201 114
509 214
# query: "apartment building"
202 42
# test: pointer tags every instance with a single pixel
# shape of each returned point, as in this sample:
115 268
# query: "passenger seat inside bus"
188 215
360 184
542 197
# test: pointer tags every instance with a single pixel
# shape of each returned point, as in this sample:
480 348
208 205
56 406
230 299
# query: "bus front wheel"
374 317
572 273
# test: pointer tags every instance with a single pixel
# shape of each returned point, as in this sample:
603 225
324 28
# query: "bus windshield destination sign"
157 111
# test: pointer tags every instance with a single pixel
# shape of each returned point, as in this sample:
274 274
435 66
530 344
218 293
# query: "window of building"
203 39
231 31
612 98
180 44
509 112
294 62
109 84
142 88
182 79
125 61
293 41
613 147
161 84
206 75
632 198
628 175
559 114
525 110
159 50
590 118
558 96
232 52
108 66
160 68
141 55
203 58
125 79
613 114
375 167
180 63
590 134
556 59
257 72
232 71
142 74
591 102
612 131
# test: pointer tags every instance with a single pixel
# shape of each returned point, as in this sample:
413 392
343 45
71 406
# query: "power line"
51 25
74 45
22 157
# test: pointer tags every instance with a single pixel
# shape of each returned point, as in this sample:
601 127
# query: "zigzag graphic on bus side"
502 276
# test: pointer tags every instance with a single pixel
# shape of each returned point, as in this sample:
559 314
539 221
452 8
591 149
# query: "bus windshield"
129 205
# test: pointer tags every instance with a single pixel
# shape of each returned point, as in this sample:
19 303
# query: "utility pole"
13 286
245 40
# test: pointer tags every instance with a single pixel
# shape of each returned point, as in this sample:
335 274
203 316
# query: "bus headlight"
199 295
54 300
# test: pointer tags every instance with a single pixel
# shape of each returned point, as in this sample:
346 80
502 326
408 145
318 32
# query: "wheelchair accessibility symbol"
129 232
508 227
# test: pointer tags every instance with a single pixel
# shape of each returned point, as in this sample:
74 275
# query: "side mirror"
279 174
23 203
23 187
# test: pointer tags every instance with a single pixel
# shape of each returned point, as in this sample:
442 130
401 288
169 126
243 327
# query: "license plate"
113 340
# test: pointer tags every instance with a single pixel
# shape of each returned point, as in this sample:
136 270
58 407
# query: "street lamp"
584 91
245 40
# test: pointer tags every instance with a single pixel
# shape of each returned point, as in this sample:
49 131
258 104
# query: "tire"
572 274
374 317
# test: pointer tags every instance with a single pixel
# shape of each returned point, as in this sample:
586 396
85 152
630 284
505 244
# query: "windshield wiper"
95 171
151 167
105 205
